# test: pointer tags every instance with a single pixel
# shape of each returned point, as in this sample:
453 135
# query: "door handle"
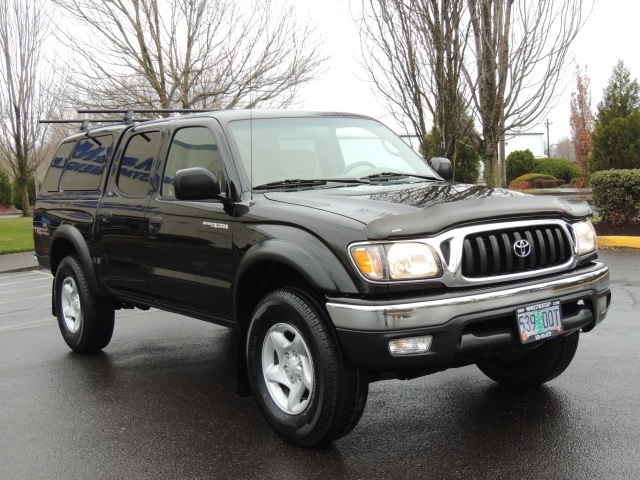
107 217
155 223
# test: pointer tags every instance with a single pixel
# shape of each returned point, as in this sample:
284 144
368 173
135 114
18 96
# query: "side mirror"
196 184
442 166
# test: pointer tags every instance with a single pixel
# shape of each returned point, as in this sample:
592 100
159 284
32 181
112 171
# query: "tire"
536 367
86 322
306 390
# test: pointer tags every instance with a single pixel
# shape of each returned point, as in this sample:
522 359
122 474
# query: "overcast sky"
612 32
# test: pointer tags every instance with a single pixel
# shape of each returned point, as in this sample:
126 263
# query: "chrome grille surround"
449 246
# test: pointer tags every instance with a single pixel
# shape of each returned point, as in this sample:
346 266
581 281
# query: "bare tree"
564 149
413 53
24 90
511 55
520 51
189 53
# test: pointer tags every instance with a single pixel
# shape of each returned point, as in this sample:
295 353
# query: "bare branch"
190 53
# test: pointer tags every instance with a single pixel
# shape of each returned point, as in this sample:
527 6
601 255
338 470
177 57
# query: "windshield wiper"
384 176
289 183
316 182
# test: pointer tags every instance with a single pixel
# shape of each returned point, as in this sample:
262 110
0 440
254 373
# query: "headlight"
395 261
585 237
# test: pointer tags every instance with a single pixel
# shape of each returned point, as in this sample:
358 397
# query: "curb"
619 242
22 269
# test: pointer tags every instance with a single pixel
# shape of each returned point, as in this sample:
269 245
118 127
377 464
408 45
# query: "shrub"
546 183
616 194
560 168
520 185
519 162
5 189
530 177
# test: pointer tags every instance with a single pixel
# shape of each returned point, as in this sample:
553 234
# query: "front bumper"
464 326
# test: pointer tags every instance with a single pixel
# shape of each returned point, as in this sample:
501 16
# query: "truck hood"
406 210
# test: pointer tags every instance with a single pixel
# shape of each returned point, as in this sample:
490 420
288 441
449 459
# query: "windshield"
288 150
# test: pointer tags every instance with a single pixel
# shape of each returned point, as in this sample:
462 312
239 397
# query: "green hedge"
560 168
531 177
616 195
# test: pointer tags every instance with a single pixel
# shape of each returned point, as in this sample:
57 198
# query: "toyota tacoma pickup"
339 255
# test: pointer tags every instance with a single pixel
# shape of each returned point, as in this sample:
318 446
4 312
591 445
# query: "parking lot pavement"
160 402
25 300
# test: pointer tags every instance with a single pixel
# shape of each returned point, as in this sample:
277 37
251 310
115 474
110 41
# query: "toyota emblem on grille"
522 248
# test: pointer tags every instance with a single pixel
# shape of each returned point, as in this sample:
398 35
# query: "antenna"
251 151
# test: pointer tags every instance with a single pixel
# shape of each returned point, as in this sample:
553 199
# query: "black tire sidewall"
80 340
308 427
538 366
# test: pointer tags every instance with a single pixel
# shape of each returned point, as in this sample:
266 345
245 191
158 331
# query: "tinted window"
135 167
52 180
192 147
87 164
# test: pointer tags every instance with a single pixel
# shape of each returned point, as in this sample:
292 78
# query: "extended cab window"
192 147
84 170
135 167
52 180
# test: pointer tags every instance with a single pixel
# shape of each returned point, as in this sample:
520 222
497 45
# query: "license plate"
539 321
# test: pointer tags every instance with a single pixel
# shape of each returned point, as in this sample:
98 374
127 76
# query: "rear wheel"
307 391
535 367
86 323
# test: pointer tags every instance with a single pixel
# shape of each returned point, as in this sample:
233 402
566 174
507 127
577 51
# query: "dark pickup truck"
339 255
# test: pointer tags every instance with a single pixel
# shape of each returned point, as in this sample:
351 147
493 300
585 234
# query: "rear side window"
135 167
85 168
52 180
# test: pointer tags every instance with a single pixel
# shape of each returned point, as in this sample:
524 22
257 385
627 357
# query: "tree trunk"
24 195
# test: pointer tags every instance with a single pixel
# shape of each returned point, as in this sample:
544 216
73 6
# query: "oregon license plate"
539 321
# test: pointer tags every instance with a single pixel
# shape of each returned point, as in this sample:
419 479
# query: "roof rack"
128 116
84 123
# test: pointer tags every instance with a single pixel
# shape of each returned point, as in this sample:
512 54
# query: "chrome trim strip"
438 312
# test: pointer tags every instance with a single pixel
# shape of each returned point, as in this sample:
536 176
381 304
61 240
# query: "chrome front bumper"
592 285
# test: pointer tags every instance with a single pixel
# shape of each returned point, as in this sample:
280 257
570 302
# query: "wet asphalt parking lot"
160 402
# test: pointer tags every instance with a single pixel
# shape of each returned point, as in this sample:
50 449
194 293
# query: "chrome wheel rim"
287 367
70 305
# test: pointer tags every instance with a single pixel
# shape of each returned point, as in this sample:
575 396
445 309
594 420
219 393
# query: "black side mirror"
196 184
442 166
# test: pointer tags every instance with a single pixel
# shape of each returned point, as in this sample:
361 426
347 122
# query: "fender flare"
321 269
290 255
73 235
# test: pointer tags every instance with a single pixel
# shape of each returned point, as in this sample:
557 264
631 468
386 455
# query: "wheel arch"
67 240
270 265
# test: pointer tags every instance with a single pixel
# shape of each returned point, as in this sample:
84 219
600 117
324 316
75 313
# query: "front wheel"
308 393
86 322
535 367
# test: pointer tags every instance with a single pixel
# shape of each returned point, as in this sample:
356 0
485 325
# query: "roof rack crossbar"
148 110
82 120
84 123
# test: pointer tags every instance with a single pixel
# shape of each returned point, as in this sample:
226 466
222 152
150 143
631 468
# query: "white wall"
522 141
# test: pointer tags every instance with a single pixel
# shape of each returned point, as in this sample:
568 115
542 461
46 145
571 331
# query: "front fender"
321 269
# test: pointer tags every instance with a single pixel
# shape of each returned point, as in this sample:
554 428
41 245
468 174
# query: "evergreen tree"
5 189
616 137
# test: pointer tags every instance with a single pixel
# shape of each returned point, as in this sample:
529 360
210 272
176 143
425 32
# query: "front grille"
492 253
